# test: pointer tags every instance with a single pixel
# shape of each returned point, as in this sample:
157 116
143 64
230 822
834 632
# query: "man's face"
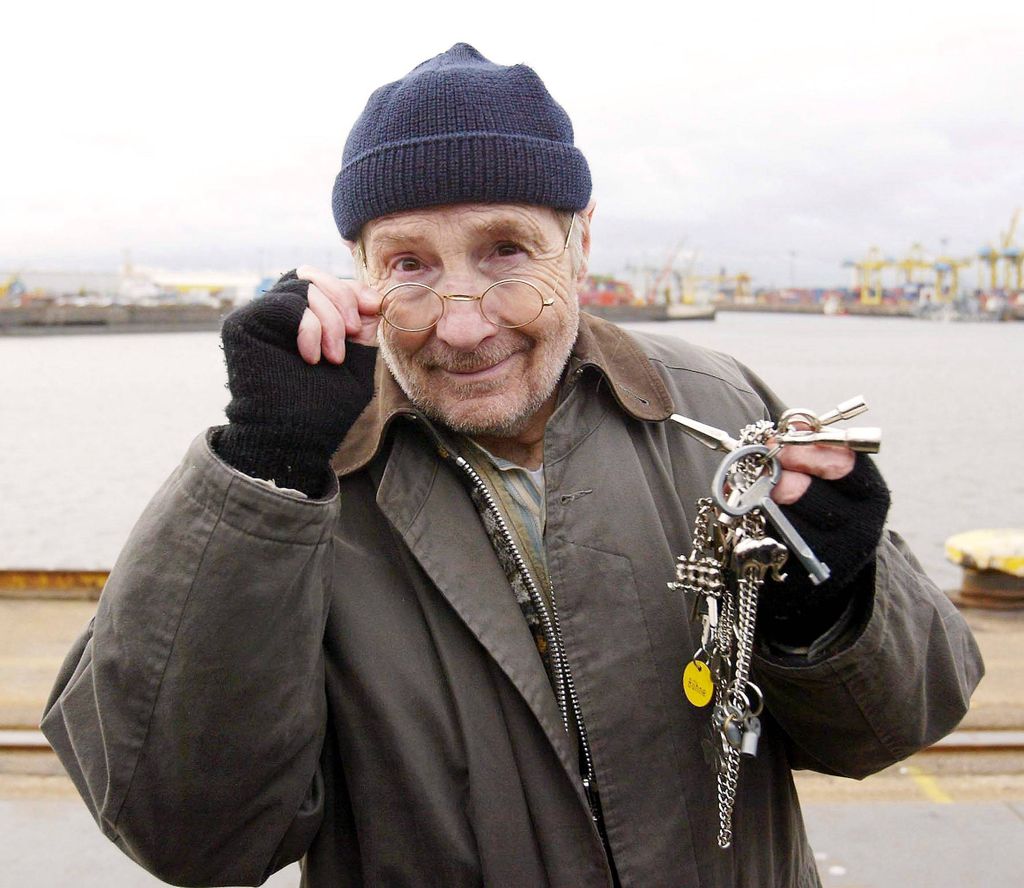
477 378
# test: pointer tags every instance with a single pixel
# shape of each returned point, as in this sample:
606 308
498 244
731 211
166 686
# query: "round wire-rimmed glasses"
508 303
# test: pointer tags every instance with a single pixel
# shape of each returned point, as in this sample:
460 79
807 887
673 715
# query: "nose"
463 326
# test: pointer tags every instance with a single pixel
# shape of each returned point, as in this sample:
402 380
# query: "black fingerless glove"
287 417
842 523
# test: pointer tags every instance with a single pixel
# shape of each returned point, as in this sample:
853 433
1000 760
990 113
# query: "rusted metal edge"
987 740
52 584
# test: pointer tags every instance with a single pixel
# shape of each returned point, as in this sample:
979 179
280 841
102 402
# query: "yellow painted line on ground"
928 785
55 585
18 580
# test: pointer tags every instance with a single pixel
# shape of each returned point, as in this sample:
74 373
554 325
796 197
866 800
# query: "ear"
584 218
358 258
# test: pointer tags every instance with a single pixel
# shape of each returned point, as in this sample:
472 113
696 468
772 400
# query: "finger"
791 486
359 306
823 460
367 334
309 337
332 325
369 300
351 298
335 291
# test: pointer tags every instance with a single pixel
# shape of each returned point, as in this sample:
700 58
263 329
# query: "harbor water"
93 423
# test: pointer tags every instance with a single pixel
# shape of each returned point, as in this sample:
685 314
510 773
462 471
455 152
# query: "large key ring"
798 414
735 689
734 717
722 477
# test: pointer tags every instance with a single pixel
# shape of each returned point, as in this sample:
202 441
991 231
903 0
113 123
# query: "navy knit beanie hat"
459 129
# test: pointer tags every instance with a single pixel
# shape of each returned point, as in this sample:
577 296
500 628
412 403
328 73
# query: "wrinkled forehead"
463 223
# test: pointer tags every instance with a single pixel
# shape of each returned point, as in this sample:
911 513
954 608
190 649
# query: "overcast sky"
207 135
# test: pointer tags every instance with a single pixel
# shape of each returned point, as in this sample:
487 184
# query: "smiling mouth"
479 373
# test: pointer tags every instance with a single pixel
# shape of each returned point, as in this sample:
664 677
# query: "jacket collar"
611 351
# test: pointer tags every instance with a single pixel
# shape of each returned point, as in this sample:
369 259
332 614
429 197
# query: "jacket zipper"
589 784
565 688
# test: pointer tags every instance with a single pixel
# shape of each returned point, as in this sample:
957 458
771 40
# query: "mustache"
437 355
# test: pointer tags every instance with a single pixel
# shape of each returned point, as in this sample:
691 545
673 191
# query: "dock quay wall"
29 319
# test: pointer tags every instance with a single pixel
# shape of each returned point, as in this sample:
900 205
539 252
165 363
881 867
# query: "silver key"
758 496
816 569
730 727
847 410
865 439
709 436
855 406
708 623
751 734
711 612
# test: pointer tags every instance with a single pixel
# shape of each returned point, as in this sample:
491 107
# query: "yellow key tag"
697 683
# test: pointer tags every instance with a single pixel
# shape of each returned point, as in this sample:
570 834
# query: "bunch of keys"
732 554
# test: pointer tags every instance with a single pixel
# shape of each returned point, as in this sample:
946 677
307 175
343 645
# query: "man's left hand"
801 462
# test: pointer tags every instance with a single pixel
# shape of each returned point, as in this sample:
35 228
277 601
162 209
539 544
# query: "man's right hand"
289 410
337 310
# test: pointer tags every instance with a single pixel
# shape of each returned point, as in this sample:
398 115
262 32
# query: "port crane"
869 275
991 255
948 265
664 276
740 284
1013 254
915 260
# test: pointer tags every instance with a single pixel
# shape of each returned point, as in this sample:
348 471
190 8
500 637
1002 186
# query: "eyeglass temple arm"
568 234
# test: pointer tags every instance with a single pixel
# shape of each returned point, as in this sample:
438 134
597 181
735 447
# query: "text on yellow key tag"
697 683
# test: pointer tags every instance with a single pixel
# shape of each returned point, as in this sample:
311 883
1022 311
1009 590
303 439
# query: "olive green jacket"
351 680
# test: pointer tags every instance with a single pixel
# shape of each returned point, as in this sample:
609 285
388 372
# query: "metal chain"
706 573
726 568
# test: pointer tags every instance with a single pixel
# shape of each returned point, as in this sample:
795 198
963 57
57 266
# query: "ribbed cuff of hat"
469 167
842 522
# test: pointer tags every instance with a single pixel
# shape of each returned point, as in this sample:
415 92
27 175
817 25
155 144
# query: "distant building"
605 290
132 285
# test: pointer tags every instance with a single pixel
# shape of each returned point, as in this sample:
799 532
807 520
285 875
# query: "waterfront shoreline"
48 319
103 420
45 320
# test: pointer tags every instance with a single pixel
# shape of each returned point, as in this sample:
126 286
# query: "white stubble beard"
504 421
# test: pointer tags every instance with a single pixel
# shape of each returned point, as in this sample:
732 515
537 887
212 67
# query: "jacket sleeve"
191 714
899 681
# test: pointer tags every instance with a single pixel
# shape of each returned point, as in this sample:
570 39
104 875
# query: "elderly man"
408 619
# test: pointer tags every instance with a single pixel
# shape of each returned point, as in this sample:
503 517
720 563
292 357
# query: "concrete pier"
949 816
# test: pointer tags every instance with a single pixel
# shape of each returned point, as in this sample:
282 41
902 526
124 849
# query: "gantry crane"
1014 257
869 275
739 282
948 265
991 255
915 260
1012 254
664 275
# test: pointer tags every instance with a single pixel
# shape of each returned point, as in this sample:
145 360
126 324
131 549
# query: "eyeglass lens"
415 307
412 307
